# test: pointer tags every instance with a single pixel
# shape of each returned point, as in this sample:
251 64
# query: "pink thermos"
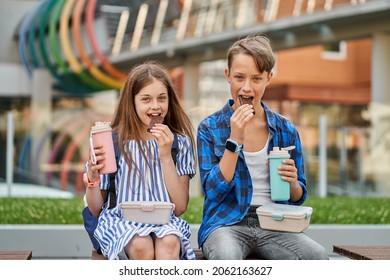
101 134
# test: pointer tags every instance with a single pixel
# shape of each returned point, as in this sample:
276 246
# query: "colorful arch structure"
51 36
69 142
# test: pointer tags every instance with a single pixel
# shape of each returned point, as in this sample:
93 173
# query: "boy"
233 144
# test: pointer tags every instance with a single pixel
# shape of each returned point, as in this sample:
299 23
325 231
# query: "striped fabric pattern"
113 232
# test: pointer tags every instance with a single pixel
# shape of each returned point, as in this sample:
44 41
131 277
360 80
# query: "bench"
363 252
16 255
95 256
198 254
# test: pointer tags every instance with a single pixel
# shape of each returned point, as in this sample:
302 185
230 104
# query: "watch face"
231 146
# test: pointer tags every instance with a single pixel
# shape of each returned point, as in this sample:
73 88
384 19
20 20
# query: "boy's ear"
270 75
227 74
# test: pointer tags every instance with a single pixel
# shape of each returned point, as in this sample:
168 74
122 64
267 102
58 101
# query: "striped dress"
113 232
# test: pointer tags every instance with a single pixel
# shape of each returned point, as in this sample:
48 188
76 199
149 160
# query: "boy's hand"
238 121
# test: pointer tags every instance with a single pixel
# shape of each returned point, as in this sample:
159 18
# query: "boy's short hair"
258 47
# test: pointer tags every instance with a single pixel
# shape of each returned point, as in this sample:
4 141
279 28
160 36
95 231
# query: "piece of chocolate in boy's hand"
153 121
244 100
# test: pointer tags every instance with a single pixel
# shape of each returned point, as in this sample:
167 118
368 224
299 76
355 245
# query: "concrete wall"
11 14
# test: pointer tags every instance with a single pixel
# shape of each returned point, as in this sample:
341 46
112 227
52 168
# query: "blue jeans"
245 238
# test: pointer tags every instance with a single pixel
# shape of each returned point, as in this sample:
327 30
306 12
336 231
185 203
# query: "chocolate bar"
244 100
153 121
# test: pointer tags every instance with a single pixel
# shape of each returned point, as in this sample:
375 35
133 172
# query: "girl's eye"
162 98
145 99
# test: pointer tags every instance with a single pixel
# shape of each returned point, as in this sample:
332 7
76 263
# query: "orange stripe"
76 27
90 14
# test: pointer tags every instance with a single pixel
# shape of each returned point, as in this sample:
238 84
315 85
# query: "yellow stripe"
64 39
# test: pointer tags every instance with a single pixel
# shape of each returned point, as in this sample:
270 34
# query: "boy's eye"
237 77
256 79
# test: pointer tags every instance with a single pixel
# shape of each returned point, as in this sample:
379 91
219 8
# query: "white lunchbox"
147 212
283 217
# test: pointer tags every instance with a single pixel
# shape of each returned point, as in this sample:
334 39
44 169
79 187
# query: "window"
335 51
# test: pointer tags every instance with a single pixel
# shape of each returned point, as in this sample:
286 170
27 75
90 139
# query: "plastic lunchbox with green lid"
283 217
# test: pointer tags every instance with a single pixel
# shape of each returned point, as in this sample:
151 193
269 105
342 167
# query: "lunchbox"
283 217
147 212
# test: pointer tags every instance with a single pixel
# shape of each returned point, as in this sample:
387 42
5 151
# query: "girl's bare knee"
140 248
168 247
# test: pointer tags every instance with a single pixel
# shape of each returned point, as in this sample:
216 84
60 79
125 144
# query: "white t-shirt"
259 171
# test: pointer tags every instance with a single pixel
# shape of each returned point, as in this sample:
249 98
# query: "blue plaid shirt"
227 203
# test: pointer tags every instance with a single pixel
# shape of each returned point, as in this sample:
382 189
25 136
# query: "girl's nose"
155 106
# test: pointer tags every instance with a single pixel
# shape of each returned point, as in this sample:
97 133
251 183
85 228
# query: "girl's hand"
94 166
164 138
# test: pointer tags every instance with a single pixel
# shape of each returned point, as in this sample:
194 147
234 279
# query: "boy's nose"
246 86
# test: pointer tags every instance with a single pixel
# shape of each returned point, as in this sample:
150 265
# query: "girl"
146 170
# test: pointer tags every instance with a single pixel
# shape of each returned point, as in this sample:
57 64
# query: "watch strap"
88 184
233 146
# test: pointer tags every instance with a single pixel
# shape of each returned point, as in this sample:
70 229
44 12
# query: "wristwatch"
232 146
88 184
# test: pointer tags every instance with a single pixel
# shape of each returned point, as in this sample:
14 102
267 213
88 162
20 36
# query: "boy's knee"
319 254
223 253
221 246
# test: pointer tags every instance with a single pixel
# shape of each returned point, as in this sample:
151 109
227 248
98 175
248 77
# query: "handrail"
197 18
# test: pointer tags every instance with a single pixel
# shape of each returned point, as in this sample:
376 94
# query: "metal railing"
147 25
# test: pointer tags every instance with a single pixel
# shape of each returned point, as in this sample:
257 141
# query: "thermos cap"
100 126
283 152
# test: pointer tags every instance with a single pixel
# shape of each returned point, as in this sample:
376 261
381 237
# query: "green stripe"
31 37
63 67
65 85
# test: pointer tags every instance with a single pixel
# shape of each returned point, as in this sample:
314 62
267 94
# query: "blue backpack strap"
175 148
112 189
90 221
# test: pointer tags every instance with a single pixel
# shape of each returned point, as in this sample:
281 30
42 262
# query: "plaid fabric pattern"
226 204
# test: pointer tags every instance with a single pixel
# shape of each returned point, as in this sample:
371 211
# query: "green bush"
330 210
